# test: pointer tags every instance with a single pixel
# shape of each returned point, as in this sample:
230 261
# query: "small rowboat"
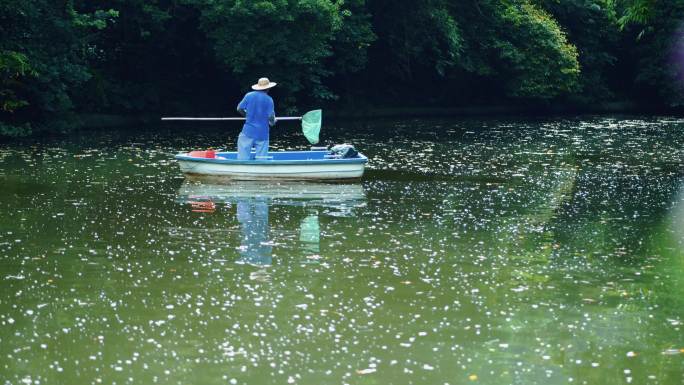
282 165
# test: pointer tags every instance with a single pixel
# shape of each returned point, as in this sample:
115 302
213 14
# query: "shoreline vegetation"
83 64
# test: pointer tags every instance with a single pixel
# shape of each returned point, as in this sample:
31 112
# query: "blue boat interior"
283 155
274 157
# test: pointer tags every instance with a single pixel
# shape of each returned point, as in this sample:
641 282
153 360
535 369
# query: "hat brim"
257 87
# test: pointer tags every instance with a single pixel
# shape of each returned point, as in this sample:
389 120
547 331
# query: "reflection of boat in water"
341 196
252 200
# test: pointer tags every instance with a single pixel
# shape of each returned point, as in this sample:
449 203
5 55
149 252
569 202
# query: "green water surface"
509 251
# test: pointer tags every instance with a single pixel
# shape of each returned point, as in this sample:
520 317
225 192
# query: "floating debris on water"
500 250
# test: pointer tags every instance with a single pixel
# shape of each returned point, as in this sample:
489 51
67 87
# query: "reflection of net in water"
310 235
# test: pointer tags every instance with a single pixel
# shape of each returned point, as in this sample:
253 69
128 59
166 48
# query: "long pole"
191 118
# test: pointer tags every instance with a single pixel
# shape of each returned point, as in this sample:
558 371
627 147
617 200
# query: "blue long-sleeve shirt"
260 111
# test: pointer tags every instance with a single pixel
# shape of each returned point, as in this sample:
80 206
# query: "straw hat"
263 84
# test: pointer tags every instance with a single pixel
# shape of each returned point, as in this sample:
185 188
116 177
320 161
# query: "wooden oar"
311 122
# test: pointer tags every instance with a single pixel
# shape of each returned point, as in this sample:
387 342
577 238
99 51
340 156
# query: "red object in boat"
203 154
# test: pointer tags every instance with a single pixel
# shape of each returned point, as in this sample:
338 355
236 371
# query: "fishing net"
311 125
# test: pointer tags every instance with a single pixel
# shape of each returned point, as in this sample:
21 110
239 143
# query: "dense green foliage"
294 50
591 27
43 60
521 46
149 57
659 56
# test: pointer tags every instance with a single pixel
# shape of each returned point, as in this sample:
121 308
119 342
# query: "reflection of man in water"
255 247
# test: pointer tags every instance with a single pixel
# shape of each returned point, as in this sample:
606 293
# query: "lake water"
510 251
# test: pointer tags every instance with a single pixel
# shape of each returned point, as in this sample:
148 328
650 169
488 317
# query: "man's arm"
271 116
242 107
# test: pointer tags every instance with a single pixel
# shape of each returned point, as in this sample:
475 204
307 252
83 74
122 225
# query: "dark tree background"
62 59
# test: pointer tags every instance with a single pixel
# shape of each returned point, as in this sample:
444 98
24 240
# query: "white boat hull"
260 172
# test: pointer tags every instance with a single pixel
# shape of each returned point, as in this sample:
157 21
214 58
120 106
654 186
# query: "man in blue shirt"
258 109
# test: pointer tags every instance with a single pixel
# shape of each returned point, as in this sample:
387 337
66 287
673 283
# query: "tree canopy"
58 60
